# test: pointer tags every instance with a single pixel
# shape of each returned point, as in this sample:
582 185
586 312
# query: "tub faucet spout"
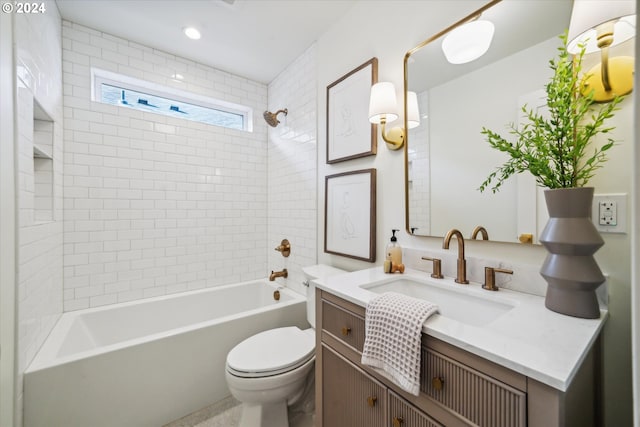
462 263
284 273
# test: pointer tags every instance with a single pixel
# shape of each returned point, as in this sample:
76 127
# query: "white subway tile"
100 193
90 225
129 194
84 139
76 304
113 57
142 264
110 267
75 57
104 214
102 257
162 193
130 71
89 291
118 288
103 64
100 171
81 92
103 129
117 162
129 255
115 225
103 299
116 203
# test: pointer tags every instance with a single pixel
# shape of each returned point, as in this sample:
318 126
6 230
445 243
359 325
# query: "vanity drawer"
403 414
345 325
478 398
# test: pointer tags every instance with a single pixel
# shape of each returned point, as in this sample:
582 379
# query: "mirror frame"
407 55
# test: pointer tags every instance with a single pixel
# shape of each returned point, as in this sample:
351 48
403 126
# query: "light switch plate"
609 212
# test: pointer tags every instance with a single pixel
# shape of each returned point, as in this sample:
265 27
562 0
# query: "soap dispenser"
393 252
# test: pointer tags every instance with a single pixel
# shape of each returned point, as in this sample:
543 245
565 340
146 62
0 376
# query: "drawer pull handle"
371 400
437 383
397 421
346 331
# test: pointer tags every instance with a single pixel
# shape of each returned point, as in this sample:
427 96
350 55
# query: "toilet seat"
271 352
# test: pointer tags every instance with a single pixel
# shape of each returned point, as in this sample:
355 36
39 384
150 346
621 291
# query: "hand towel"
393 330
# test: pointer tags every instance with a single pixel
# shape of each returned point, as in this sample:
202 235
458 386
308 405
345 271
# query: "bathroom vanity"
526 367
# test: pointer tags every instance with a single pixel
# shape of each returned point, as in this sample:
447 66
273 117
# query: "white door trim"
7 223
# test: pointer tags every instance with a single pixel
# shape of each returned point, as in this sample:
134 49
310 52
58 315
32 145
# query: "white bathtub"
149 362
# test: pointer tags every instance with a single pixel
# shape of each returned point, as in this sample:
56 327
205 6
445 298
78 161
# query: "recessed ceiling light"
192 33
177 76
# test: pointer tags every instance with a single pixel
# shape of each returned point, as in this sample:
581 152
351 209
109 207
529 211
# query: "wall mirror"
446 156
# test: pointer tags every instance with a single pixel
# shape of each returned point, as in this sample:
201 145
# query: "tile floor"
226 413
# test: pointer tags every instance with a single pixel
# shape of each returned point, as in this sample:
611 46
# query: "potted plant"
557 149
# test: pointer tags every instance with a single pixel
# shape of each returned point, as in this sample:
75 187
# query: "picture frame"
350 135
350 214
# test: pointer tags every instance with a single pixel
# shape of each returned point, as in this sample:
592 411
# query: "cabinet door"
403 414
350 397
478 398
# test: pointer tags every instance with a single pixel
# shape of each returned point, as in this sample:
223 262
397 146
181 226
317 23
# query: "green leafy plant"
555 148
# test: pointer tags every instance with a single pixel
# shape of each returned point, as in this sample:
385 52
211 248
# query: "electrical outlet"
609 213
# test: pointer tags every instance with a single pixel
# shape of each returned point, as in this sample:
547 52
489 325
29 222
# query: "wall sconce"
600 25
383 109
468 41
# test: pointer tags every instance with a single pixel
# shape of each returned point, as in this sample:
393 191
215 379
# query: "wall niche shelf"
41 153
42 165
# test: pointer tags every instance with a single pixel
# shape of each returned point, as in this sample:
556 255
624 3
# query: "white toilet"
268 371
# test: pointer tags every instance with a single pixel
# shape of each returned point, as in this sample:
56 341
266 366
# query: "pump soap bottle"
393 253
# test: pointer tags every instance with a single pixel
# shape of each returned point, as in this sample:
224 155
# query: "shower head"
271 118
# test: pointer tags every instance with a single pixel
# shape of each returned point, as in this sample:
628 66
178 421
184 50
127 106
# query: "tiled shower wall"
419 171
156 205
39 237
292 168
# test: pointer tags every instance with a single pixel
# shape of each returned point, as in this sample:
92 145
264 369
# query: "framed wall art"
350 214
349 133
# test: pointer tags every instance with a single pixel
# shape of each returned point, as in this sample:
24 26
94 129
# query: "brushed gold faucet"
490 277
480 229
284 273
436 267
284 248
462 263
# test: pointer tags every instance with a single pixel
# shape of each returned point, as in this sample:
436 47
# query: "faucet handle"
284 248
437 267
490 277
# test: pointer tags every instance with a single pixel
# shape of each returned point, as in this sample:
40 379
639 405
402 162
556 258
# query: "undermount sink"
457 304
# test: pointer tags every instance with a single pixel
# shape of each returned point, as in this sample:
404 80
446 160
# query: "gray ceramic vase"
571 239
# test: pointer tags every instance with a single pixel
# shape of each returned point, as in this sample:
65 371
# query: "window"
115 89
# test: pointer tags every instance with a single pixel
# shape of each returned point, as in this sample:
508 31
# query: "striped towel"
393 328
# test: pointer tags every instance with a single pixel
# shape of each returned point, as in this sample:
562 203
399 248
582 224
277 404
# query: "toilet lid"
271 352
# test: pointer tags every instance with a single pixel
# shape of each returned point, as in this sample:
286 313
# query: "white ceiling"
256 39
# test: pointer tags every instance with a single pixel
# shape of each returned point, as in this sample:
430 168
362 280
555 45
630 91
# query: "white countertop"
529 339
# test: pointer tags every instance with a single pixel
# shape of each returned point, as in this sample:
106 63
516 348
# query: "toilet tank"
316 273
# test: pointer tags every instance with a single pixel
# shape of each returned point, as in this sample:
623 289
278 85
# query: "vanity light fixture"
600 25
383 109
192 33
468 41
